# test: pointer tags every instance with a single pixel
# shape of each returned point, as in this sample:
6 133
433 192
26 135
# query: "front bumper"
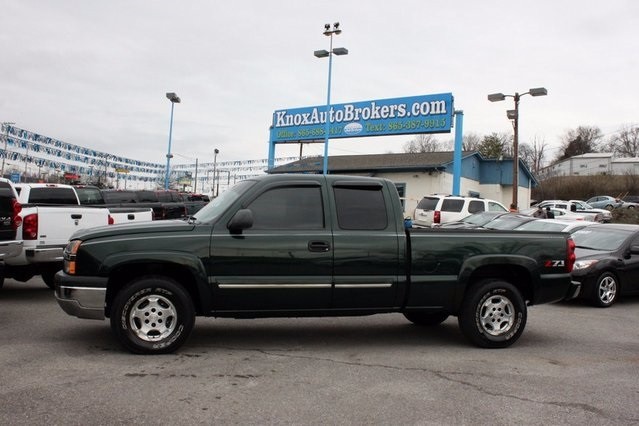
82 297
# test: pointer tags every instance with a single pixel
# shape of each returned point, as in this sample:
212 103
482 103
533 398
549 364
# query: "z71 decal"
554 264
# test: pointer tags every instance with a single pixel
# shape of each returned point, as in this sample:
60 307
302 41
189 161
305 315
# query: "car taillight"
437 216
16 207
111 221
30 227
570 254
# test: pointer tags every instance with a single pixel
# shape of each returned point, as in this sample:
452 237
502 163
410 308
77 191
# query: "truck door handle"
76 216
319 246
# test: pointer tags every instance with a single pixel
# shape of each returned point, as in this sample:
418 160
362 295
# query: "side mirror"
241 220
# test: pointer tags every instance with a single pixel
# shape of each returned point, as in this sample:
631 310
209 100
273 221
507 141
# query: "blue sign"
15 177
410 115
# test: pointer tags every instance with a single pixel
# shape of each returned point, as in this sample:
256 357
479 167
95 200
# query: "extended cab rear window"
361 208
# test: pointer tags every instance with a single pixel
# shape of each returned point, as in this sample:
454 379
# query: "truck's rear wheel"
493 314
153 315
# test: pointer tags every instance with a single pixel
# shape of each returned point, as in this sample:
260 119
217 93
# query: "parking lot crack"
450 377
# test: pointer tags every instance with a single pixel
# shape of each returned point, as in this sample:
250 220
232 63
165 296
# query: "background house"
416 175
594 163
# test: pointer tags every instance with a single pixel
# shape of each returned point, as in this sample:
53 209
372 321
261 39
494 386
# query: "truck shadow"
25 292
325 333
288 335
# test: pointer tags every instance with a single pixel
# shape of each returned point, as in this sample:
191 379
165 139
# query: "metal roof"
372 163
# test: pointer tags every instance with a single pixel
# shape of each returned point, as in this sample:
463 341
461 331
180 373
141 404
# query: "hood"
154 226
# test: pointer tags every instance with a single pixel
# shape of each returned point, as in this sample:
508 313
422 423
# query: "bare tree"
423 142
582 140
533 154
626 142
471 142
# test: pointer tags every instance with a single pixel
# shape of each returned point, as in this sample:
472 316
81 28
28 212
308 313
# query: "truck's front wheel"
493 314
153 315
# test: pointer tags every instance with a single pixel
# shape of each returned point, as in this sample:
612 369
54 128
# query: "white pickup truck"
50 214
10 244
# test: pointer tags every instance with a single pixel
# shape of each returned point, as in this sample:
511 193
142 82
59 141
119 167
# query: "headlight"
584 264
69 256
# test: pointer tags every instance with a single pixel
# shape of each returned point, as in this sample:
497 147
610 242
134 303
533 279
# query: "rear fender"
521 271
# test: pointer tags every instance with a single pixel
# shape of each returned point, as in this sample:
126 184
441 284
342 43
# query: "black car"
607 263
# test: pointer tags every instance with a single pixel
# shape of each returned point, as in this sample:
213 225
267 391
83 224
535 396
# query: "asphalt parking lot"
574 364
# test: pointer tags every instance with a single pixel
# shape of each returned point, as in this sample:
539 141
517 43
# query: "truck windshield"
219 204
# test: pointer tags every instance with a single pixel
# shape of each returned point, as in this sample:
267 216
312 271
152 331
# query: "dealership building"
419 174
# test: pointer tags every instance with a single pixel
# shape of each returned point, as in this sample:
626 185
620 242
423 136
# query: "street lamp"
174 100
513 114
323 54
215 152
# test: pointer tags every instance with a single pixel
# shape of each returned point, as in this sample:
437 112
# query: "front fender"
158 263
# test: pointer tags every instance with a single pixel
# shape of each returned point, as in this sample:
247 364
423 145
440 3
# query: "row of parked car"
607 255
37 220
434 210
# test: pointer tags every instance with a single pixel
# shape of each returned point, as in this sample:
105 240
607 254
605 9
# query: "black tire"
48 278
606 290
493 314
426 318
1 281
152 315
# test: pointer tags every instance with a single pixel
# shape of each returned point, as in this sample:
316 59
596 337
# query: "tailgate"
128 215
56 225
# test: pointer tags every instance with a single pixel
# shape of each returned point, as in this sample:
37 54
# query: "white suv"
436 209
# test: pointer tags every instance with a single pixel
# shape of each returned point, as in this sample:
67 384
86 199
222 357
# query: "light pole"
322 54
6 126
215 152
174 100
513 114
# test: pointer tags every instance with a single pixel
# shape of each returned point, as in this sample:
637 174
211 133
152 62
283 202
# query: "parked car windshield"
219 204
603 239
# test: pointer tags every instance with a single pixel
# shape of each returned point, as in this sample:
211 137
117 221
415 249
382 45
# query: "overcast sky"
95 73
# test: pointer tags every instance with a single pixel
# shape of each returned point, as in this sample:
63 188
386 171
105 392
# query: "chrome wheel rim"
496 315
607 290
153 318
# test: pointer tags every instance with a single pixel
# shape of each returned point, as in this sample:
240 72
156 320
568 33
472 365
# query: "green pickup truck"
308 245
